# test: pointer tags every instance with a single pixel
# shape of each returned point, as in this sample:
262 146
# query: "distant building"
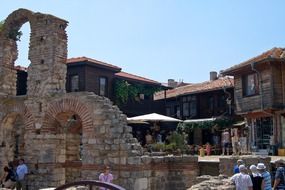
202 102
199 100
260 98
133 94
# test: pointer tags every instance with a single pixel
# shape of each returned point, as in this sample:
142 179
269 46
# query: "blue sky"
162 39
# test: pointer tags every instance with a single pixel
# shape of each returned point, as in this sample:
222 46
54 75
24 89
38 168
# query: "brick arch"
21 109
68 105
16 19
47 70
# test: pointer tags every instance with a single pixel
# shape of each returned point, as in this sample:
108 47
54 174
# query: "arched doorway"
12 137
69 125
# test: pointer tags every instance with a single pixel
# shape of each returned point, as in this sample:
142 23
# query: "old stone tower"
69 136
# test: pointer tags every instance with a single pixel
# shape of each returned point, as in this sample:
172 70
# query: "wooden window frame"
105 93
72 89
250 85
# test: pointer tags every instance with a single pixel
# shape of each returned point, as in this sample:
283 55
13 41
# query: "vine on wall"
14 34
189 127
125 91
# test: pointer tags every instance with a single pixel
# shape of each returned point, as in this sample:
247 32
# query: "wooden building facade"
200 101
131 93
260 98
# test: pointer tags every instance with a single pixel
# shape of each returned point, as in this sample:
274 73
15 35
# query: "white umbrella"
199 120
153 117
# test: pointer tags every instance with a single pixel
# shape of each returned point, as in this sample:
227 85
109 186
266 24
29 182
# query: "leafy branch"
1 25
13 34
125 91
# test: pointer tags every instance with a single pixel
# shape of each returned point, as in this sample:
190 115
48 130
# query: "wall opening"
12 137
70 124
22 63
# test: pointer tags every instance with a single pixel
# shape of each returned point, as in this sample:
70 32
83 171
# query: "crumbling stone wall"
70 136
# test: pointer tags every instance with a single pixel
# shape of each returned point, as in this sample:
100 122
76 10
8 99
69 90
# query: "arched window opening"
12 135
23 62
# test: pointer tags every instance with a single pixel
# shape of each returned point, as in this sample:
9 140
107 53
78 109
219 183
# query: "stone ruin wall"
70 136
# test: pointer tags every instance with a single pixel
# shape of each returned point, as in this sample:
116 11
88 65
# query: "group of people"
14 175
258 178
234 139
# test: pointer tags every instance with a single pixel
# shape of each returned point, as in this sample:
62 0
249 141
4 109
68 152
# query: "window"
193 108
222 101
74 83
211 103
250 85
103 86
189 106
168 111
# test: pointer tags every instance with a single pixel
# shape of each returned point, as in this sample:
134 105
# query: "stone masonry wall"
66 137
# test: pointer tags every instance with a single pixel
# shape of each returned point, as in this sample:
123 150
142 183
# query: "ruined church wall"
66 137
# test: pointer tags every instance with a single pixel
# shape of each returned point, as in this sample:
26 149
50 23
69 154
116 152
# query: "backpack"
13 175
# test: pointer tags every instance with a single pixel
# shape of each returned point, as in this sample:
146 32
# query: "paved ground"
215 158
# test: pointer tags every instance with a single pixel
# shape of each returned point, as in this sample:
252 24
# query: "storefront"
261 134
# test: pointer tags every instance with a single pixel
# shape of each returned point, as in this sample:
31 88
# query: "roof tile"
220 83
86 59
275 53
135 77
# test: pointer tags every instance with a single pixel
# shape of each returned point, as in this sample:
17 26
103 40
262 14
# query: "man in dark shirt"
279 182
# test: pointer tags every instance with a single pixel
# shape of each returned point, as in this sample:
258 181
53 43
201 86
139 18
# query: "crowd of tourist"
257 177
15 175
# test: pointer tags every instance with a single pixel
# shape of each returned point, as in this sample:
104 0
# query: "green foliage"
158 147
15 34
1 25
121 91
189 127
125 91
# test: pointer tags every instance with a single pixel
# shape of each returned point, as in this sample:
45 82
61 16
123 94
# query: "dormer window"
250 85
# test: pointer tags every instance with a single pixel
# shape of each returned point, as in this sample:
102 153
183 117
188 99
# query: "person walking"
236 167
256 178
22 171
279 181
106 176
242 180
261 168
225 142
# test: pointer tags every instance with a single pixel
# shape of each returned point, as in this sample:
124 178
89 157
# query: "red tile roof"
274 53
136 78
94 61
220 83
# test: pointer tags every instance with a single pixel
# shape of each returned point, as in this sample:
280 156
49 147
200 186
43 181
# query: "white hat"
242 168
253 168
260 166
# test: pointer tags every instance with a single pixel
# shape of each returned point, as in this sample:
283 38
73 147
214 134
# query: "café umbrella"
153 117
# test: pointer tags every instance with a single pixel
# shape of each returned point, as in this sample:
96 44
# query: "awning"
239 124
200 120
152 117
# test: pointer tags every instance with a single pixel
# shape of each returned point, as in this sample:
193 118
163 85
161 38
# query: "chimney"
172 83
213 75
